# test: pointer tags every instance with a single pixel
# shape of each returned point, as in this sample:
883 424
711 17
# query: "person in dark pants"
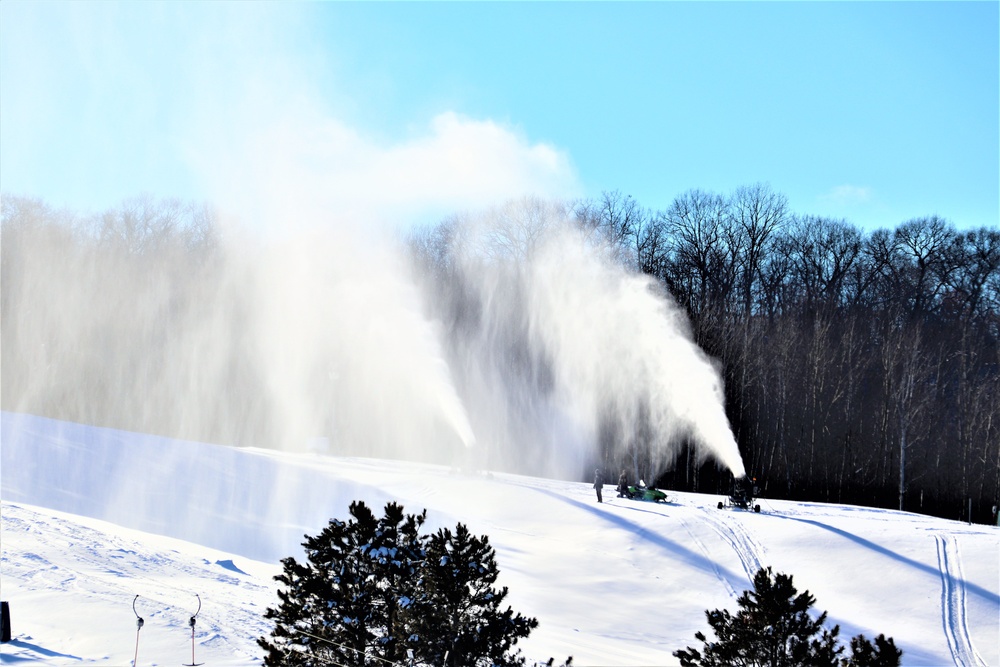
598 484
623 485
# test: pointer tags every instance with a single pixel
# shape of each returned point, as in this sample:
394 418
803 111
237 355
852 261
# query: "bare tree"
620 221
704 259
653 247
905 365
972 260
923 242
778 289
758 213
825 251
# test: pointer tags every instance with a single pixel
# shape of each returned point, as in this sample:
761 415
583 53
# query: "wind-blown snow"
93 517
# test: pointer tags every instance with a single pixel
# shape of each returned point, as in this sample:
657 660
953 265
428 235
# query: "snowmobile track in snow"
953 609
732 531
704 549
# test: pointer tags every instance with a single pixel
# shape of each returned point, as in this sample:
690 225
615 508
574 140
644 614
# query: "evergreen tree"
459 618
346 606
883 653
375 589
773 628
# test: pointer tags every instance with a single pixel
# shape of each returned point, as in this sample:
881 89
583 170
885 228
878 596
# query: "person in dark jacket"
623 485
598 484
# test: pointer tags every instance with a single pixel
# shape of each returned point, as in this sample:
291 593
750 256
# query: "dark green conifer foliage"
773 628
460 613
376 589
883 653
346 604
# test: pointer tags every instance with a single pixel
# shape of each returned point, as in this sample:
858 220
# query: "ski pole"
191 623
138 627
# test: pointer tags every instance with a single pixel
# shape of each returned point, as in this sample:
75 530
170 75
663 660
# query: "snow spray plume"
528 337
156 318
558 349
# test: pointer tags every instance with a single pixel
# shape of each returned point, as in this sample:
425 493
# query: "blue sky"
873 112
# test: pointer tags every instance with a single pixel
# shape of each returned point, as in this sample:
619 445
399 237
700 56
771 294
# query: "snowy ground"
93 517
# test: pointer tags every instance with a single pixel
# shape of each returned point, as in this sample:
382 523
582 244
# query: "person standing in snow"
598 484
623 485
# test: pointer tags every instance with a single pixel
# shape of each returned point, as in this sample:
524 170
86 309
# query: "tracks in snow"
732 532
953 603
954 618
704 549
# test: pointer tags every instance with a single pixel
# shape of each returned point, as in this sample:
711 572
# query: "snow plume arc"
563 353
347 349
618 341
311 336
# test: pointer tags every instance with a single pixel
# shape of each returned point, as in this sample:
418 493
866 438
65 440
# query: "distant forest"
859 367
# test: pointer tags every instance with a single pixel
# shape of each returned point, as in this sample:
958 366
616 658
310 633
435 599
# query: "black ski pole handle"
192 622
138 618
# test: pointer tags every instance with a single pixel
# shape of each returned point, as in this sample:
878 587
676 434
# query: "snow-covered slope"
622 583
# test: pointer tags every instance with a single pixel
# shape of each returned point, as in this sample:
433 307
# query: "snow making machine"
743 494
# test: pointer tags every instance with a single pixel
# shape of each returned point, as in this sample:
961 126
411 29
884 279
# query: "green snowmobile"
647 493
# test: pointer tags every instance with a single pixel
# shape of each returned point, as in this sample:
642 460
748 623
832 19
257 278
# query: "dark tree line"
859 367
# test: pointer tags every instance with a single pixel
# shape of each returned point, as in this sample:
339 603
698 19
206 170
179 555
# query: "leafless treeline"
860 367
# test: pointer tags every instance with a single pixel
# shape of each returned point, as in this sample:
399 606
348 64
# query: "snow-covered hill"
93 517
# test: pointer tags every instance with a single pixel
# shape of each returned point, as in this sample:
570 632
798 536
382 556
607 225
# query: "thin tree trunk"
902 461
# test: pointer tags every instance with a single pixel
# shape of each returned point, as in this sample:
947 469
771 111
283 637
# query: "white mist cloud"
848 195
319 167
274 131
466 162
